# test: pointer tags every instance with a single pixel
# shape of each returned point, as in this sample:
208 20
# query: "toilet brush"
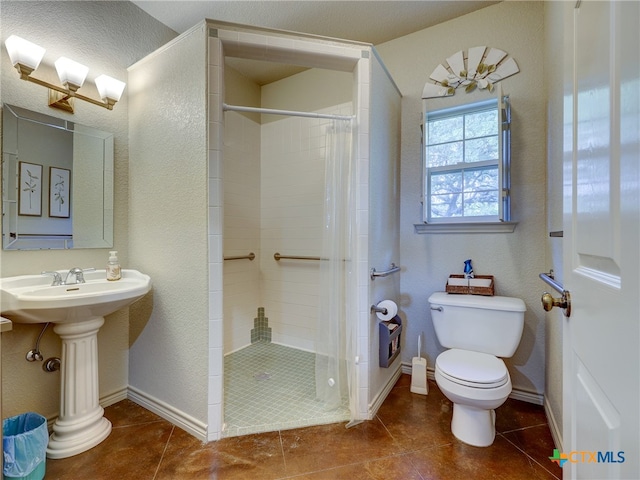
419 373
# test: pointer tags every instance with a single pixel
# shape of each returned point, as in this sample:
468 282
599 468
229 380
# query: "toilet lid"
474 369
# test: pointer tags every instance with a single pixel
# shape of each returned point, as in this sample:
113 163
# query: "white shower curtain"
336 328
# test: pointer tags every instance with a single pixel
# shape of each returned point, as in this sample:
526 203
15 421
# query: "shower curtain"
336 328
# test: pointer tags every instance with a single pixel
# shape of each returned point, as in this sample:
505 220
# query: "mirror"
57 183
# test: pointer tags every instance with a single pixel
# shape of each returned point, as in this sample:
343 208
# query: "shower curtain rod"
293 113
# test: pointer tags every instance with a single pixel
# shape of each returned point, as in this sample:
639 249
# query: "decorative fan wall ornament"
481 68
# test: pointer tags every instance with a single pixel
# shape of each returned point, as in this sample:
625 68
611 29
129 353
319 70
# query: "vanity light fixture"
26 57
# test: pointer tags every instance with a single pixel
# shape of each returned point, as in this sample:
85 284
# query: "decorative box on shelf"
478 285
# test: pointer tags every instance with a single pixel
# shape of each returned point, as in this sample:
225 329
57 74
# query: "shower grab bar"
293 113
278 257
392 269
250 256
549 280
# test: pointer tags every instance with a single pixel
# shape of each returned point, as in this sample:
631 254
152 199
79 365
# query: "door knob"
548 302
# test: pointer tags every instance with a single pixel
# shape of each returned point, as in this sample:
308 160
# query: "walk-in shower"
289 187
234 183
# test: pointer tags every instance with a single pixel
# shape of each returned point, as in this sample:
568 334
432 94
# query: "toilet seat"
472 369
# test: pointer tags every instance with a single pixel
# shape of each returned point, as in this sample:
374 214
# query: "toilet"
477 331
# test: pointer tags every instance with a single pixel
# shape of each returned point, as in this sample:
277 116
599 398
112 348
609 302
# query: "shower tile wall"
292 192
273 184
241 228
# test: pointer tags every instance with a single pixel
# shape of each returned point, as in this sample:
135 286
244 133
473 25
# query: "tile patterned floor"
410 439
271 387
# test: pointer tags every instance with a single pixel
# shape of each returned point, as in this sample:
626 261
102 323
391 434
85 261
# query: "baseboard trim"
516 393
180 419
556 432
526 396
382 395
114 397
406 368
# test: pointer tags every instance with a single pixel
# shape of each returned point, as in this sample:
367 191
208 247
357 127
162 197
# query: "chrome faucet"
74 276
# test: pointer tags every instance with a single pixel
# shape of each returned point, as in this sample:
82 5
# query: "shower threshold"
271 387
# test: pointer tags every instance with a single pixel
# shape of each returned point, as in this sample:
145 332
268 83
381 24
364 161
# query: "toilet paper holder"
377 309
385 309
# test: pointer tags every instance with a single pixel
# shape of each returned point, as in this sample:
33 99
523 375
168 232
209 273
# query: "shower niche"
276 103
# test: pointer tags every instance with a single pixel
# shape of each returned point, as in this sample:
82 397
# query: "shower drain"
262 376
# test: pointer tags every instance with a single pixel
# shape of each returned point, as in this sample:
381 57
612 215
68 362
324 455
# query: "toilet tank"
490 325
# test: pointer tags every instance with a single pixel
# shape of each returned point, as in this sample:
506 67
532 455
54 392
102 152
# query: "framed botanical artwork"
30 189
59 192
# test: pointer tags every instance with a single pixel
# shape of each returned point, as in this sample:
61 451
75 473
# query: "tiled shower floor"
270 387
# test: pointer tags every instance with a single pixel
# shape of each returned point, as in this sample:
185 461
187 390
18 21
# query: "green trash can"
24 445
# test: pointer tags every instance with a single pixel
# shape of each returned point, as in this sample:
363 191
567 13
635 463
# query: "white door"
602 244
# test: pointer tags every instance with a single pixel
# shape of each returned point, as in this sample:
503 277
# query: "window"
466 160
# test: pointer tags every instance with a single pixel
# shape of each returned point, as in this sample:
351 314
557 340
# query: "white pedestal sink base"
77 311
81 424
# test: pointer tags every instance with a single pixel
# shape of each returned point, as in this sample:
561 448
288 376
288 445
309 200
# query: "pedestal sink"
77 312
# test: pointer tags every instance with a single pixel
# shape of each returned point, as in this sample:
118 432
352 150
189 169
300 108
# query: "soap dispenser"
113 267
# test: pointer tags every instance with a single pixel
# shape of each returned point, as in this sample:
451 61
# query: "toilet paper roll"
392 309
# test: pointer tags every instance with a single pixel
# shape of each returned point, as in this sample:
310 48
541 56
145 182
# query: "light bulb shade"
109 87
71 73
23 52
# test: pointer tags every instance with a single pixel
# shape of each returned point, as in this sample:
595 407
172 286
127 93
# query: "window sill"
495 227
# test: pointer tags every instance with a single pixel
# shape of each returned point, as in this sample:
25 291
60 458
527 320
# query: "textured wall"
555 20
515 259
168 223
384 210
107 37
